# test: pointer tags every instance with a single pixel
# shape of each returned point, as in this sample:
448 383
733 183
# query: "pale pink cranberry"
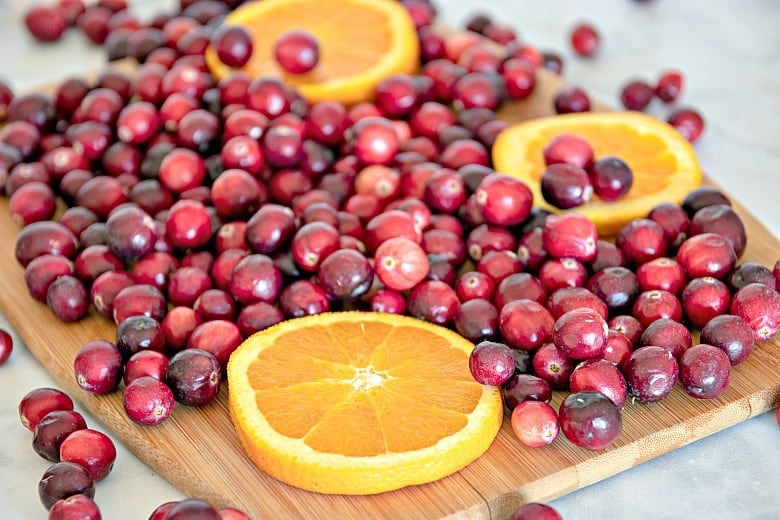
534 423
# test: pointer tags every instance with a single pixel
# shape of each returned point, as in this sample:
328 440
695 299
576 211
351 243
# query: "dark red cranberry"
565 185
62 480
52 429
669 334
590 420
703 299
651 373
705 371
611 178
701 197
617 286
688 122
477 320
674 220
67 298
721 219
519 286
669 86
636 95
303 298
731 334
642 240
433 301
571 99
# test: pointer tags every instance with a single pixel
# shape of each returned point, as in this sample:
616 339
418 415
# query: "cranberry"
669 86
45 237
231 513
705 371
590 420
218 337
92 449
703 299
721 219
477 90
105 288
642 240
188 225
194 376
130 233
145 363
750 272
535 511
477 320
67 298
555 273
701 197
651 373
192 508
433 301
389 301
534 423
62 480
669 334
296 51
303 298
617 286
38 402
519 78
570 235
599 375
759 305
445 191
707 254
525 324
347 274
177 325
98 367
618 348
571 99
661 273
257 316
233 45
45 23
374 140
136 300
491 363
525 387
147 401
569 149
474 285
584 39
565 185
611 178
75 506
504 201
627 325
6 345
137 333
731 334
550 364
636 95
607 255
688 122
215 304
568 298
656 304
52 429
580 333
255 278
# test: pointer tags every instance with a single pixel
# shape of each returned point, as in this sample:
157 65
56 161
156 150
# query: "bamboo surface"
197 450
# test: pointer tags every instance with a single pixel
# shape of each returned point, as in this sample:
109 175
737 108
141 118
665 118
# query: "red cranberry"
303 298
218 337
62 480
535 423
45 23
433 301
642 240
474 285
571 99
374 141
590 420
688 122
651 373
617 286
656 304
618 348
580 333
67 298
721 219
145 363
192 508
565 185
519 286
194 376
705 371
519 78
565 299
584 39
669 334
38 402
491 363
636 95
257 316
233 45
32 202
607 255
525 324
661 273
669 86
535 511
477 320
52 429
611 178
674 220
703 299
141 299
750 272
555 273
98 367
389 301
525 387
701 197
477 90
147 401
707 254
296 51
627 325
759 305
504 201
92 449
75 506
570 235
215 304
550 364
599 375
569 149
731 334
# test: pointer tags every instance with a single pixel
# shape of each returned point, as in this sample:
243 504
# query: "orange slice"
361 42
359 402
664 164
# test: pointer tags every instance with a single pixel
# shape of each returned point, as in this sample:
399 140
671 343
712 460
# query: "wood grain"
198 451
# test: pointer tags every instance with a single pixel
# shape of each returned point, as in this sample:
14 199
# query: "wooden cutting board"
198 451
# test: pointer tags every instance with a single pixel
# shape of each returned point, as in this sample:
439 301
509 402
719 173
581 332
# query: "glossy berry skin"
705 371
52 430
296 51
599 375
147 401
6 346
400 263
651 373
571 99
504 201
569 149
64 479
194 376
707 254
38 402
731 334
525 387
669 86
759 305
535 423
611 178
585 40
233 45
570 235
75 507
98 367
92 449
45 23
525 324
580 333
590 420
565 185
688 122
491 363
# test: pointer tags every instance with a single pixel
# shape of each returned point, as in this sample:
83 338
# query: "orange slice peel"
359 402
664 164
361 43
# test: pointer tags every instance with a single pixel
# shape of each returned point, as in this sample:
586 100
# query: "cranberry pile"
200 211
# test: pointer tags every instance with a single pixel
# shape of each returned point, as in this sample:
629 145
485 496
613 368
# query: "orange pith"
359 403
664 164
361 42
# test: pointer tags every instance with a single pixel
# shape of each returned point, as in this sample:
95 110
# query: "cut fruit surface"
359 403
664 164
361 42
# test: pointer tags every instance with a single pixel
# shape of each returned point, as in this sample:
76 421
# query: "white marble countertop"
729 55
